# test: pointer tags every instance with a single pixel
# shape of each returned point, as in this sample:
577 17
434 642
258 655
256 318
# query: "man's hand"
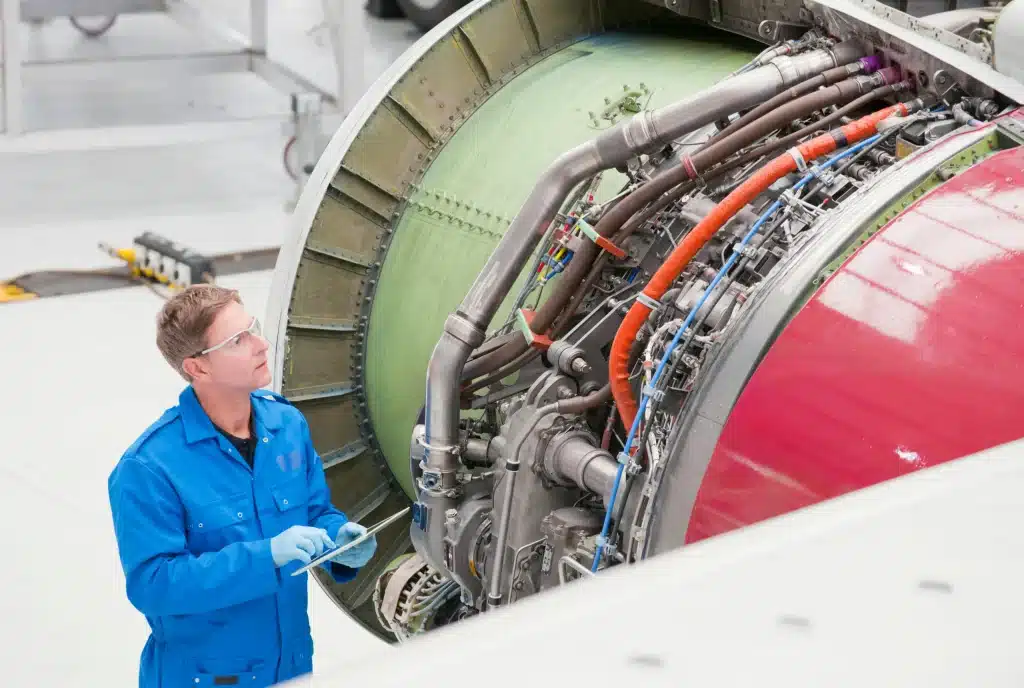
360 554
301 543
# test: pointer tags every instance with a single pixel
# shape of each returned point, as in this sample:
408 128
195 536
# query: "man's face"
239 356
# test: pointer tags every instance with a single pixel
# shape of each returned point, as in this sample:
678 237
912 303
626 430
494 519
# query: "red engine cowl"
910 355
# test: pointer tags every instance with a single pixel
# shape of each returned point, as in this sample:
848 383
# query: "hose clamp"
646 301
798 158
826 175
445 449
653 394
745 250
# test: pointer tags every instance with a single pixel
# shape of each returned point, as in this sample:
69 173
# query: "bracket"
776 31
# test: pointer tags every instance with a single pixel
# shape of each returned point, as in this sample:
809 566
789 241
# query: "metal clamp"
826 175
744 250
652 393
648 302
448 449
799 205
798 158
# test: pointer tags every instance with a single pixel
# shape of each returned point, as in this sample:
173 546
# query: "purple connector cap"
871 63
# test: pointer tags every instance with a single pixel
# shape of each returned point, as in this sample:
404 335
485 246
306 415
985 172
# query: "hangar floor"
82 373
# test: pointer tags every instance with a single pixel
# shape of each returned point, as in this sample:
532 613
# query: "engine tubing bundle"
826 78
674 194
791 104
790 161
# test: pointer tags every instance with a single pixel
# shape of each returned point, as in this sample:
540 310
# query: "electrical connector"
167 262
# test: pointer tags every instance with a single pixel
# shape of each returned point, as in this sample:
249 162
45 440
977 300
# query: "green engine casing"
414 192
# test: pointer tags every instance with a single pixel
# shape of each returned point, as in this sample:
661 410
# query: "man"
217 503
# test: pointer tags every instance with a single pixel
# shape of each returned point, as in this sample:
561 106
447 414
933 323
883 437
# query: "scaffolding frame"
250 53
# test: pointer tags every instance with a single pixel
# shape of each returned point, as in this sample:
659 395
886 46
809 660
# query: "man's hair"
183 321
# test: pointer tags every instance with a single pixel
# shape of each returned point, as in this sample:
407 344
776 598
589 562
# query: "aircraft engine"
583 281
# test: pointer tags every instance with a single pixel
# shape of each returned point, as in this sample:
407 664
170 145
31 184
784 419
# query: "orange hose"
618 360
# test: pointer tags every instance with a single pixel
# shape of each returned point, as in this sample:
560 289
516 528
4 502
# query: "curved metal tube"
867 65
579 568
464 329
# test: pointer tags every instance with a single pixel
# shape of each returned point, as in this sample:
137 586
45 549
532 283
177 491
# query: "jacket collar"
198 425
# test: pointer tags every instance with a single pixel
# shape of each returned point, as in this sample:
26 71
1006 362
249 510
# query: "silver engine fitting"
542 465
519 507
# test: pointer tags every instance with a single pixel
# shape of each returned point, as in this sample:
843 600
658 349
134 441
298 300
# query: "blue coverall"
193 525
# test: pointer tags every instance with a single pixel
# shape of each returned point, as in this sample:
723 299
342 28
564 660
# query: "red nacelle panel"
911 355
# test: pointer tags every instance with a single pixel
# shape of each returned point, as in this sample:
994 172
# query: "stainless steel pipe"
575 458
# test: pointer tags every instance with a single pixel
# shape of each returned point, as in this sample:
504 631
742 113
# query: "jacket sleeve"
322 513
162 576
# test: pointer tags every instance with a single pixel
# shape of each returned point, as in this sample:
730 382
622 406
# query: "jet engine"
584 281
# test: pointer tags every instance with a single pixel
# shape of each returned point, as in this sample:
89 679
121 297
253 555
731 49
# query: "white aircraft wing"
915 582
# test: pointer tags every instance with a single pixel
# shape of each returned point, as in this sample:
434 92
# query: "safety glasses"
237 339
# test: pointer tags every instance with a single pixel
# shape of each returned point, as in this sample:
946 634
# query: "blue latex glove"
300 543
360 554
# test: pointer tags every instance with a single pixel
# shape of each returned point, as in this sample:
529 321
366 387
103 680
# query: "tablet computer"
370 532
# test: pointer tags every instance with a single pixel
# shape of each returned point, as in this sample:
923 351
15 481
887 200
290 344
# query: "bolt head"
580 366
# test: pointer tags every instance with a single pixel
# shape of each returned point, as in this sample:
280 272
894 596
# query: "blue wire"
624 455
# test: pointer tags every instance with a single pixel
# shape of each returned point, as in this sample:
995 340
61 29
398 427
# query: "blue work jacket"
193 525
